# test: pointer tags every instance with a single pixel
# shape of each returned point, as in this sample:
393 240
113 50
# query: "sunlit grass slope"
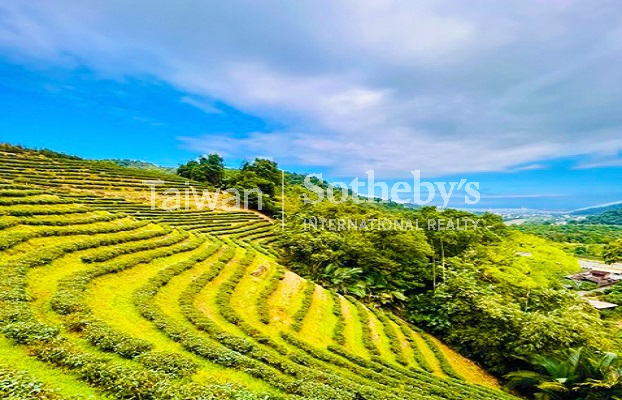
103 297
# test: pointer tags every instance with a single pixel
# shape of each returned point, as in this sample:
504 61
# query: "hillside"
597 209
611 217
141 165
104 297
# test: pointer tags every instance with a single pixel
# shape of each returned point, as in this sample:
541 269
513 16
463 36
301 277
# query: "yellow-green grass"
285 300
465 367
405 345
167 299
353 329
319 323
244 299
63 382
428 354
110 298
380 338
205 301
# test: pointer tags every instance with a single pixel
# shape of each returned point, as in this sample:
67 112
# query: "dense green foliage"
573 233
208 169
583 240
597 210
377 265
611 217
571 374
494 294
256 182
261 174
19 385
613 252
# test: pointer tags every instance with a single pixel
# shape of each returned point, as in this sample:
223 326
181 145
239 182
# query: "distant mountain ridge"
611 217
599 209
141 165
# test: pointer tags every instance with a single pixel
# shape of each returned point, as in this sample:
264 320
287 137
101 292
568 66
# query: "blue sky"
523 97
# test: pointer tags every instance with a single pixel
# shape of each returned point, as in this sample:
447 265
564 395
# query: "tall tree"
613 252
265 169
212 169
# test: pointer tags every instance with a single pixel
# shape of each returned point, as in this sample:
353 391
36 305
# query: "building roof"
601 305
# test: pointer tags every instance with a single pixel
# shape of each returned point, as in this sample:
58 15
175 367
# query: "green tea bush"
173 364
368 338
417 354
307 299
13 238
101 335
26 210
33 200
20 385
29 332
394 341
340 325
130 248
263 308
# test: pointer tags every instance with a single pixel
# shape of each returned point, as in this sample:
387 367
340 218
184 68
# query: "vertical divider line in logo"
282 200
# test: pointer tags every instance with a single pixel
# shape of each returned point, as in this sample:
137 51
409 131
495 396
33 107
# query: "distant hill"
598 209
611 217
142 165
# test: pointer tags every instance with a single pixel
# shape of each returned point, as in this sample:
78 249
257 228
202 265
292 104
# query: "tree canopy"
208 169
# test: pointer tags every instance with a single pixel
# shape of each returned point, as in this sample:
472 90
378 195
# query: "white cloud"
607 162
202 105
443 87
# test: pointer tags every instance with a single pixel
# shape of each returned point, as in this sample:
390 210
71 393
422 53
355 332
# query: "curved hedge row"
394 341
117 380
263 310
307 299
162 238
10 239
419 357
368 338
305 378
340 325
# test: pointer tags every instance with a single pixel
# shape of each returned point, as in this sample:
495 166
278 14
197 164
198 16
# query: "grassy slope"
111 296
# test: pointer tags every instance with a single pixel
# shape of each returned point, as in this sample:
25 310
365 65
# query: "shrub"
340 325
394 340
419 357
368 339
262 300
172 364
20 385
307 299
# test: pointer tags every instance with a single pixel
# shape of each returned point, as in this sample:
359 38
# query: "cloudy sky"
524 96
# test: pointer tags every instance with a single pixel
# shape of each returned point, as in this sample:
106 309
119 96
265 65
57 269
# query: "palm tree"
574 374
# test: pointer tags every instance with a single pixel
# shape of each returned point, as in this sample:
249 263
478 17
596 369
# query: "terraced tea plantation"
103 297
